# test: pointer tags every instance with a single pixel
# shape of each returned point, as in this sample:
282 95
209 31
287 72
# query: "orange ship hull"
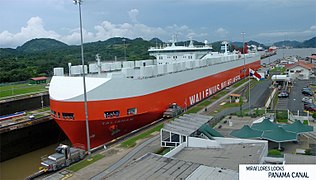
150 107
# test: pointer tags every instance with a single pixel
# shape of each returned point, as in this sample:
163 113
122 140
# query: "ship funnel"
205 43
225 43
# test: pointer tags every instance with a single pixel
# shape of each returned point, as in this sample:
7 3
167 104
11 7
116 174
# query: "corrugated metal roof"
153 166
187 124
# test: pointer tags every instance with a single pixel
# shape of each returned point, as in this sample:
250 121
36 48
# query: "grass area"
281 116
239 83
163 150
19 89
219 95
200 106
278 69
131 142
43 109
84 163
194 109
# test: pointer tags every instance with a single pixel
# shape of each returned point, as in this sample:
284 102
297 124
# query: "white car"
307 100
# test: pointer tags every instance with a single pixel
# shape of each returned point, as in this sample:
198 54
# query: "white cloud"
133 15
282 35
106 29
222 32
33 29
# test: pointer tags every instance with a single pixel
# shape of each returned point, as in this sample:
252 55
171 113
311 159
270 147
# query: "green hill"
42 44
38 57
309 43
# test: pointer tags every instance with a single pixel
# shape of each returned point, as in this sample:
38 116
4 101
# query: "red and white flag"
254 74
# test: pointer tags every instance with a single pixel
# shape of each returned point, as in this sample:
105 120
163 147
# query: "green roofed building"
246 132
279 135
265 125
209 132
298 127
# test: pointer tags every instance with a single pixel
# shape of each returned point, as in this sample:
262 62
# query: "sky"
265 21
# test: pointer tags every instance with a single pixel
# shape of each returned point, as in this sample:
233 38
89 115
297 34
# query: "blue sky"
266 21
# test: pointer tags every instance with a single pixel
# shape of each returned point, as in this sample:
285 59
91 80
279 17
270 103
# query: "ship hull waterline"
150 108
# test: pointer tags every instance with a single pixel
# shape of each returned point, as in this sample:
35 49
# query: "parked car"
307 92
307 105
306 89
283 95
307 100
311 107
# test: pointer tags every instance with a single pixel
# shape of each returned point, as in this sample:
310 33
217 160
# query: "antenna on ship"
84 80
69 67
191 42
173 41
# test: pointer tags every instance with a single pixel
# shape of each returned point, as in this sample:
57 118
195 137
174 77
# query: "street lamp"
124 40
243 49
84 79
243 52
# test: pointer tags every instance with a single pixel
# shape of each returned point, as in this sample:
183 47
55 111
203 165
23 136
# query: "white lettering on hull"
211 90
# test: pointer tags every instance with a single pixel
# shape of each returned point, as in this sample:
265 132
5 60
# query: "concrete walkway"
125 159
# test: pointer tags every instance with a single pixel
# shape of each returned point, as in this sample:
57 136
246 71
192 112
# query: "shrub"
308 152
274 152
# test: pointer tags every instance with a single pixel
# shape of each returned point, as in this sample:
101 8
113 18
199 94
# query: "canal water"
27 164
301 52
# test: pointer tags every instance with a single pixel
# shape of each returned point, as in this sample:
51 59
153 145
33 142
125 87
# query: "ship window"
111 114
131 111
58 115
53 113
68 115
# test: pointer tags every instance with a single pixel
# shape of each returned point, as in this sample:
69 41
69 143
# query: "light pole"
84 79
124 40
243 49
243 52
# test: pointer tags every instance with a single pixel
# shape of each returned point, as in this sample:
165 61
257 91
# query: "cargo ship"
124 96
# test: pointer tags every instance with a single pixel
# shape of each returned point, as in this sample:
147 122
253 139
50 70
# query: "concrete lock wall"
23 140
23 104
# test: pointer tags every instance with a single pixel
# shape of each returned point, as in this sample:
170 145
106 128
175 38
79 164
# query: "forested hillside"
38 57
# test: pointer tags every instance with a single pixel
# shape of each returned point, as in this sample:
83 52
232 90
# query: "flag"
254 74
